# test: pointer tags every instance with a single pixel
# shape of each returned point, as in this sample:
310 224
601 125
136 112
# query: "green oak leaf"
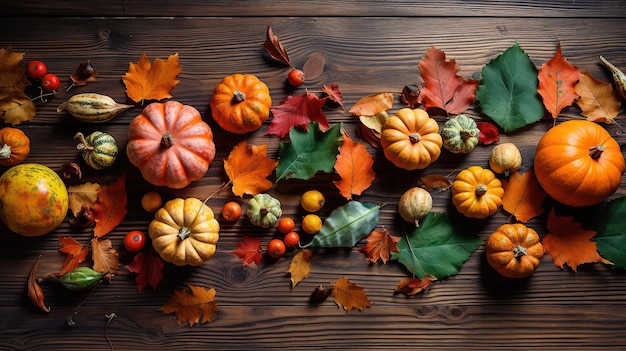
507 91
308 152
610 229
435 247
346 225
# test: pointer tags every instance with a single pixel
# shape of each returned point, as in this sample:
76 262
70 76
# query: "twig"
109 318
70 318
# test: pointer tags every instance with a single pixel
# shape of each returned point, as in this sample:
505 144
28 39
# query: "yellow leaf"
17 107
194 305
300 266
349 296
523 198
248 169
82 194
372 104
598 100
152 82
12 75
375 122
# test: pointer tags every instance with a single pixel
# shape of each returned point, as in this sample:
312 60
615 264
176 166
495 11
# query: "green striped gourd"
460 134
92 108
99 149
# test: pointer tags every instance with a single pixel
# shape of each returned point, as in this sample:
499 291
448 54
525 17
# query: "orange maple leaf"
568 243
110 207
435 181
105 257
523 198
373 104
354 166
248 168
75 252
145 81
194 305
443 88
412 286
300 266
379 246
598 100
349 295
557 79
249 250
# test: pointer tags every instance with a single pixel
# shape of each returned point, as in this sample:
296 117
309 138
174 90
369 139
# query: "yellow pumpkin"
184 232
411 139
33 199
514 250
476 192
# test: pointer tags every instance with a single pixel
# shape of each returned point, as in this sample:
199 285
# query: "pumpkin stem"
184 233
414 137
5 152
466 134
238 96
83 145
596 151
480 190
167 140
519 251
264 211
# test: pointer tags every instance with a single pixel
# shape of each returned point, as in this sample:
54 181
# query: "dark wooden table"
368 47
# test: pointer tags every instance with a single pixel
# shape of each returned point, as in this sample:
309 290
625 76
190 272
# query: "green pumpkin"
99 149
264 210
460 134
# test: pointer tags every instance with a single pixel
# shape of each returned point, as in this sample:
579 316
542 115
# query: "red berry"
291 239
50 82
36 69
295 77
134 241
285 225
276 248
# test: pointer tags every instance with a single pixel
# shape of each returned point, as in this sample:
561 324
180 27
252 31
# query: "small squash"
578 163
505 159
410 139
460 134
14 146
514 250
264 210
414 205
99 149
476 192
241 103
184 232
170 144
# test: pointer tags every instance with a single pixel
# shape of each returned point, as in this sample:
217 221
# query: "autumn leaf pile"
511 94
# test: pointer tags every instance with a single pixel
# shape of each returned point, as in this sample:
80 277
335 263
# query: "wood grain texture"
555 309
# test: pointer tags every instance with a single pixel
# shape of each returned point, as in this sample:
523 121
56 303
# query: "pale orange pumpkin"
14 146
578 163
170 144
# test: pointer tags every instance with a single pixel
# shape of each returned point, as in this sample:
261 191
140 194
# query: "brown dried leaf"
300 266
412 286
105 257
349 295
35 294
194 305
372 104
82 194
379 246
275 48
435 181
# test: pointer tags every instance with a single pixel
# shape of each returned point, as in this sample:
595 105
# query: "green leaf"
507 91
610 230
346 225
308 152
435 248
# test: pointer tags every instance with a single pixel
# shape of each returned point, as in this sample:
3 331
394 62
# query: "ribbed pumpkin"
14 146
264 210
241 103
99 149
460 134
171 144
578 163
410 139
514 250
505 159
476 192
184 232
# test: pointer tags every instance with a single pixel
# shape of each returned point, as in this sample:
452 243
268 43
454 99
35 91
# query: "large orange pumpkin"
171 144
578 163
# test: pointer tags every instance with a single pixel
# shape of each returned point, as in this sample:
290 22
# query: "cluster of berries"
37 71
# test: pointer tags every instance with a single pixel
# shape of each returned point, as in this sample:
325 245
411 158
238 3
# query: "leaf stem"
417 262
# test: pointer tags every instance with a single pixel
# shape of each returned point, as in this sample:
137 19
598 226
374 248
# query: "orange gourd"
514 250
14 146
476 192
578 163
170 144
411 139
241 103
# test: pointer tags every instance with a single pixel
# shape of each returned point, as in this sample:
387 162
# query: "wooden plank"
399 8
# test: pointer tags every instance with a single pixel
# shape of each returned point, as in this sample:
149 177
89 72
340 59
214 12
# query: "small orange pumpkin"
411 139
14 146
476 192
514 250
240 103
578 163
170 144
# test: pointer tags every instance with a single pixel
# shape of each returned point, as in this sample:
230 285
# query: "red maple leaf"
149 269
297 111
334 93
249 250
